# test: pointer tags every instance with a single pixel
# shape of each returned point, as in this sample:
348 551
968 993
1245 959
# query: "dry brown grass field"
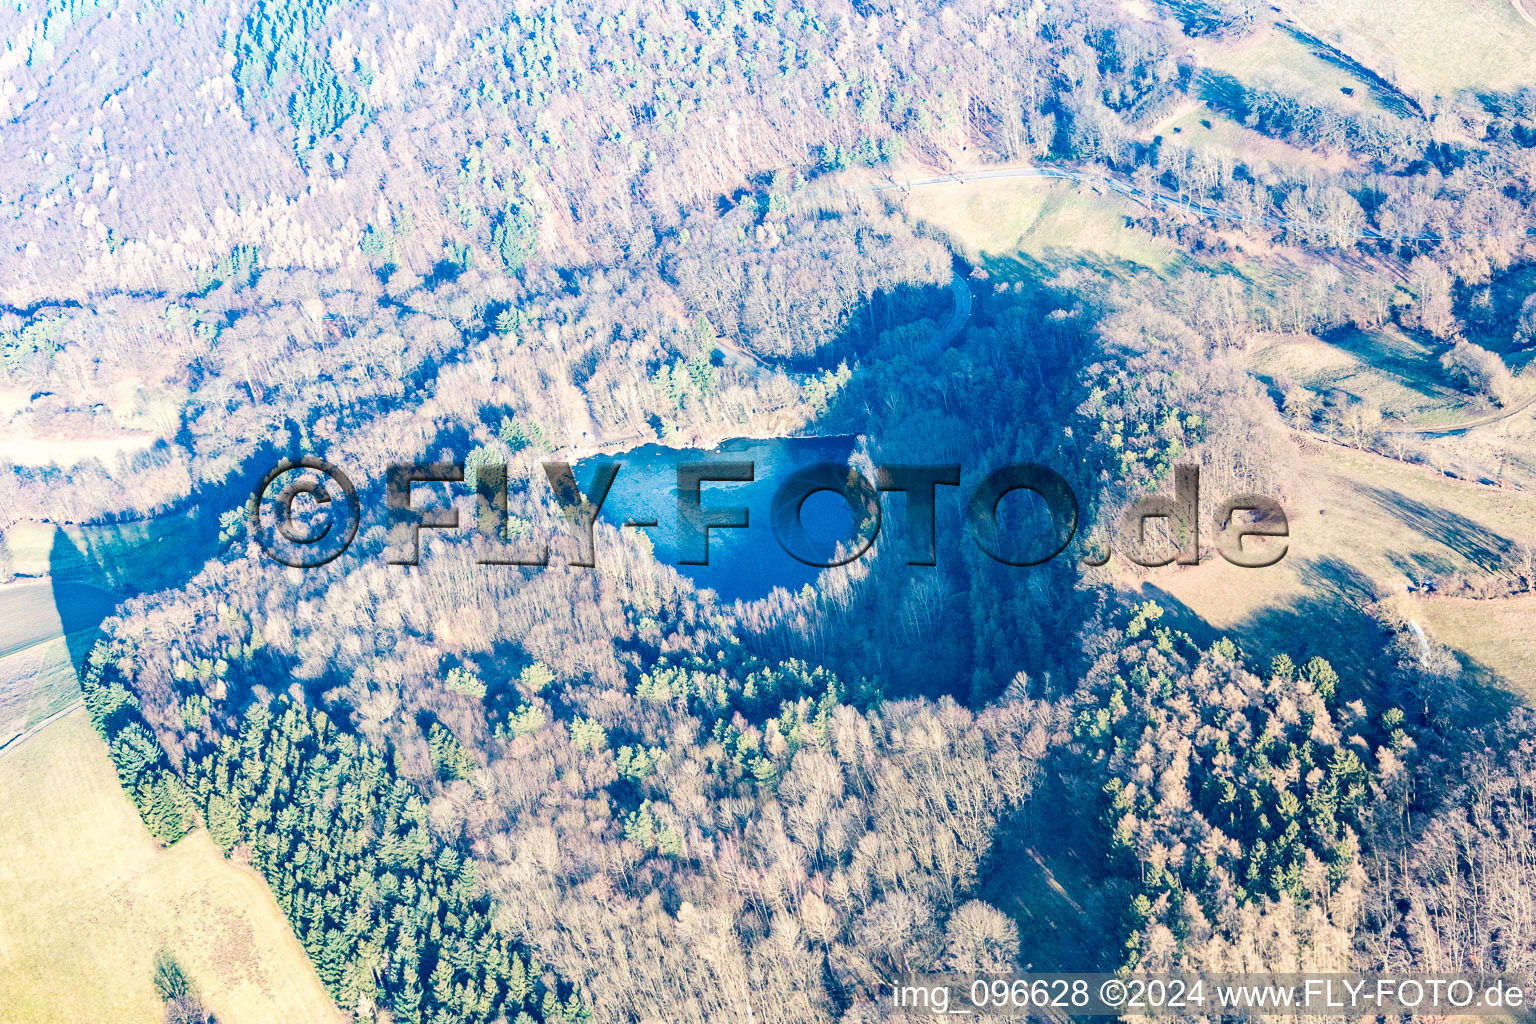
1401 374
1204 129
1278 55
1498 631
1362 528
1055 223
90 898
1430 46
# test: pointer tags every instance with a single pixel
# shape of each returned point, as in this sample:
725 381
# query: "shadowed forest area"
1110 239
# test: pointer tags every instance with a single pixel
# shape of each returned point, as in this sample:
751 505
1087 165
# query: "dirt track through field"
22 737
1123 185
1456 428
1146 197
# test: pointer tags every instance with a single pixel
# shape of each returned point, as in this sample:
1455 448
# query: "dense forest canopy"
506 234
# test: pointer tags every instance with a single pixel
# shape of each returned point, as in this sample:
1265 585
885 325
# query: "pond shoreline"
746 561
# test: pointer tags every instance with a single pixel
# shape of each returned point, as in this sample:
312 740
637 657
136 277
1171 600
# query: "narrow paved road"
960 314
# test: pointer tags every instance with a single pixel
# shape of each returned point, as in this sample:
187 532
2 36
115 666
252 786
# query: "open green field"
1277 55
72 577
147 554
87 898
41 683
37 663
1204 129
1428 45
1499 632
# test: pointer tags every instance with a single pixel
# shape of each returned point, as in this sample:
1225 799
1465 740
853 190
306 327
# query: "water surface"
744 564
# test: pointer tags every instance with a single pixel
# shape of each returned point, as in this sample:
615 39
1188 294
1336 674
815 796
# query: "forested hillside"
518 234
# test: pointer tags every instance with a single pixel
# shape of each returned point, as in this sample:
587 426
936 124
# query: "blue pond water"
744 564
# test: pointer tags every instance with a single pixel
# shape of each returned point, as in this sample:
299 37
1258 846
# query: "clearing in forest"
87 898
1426 46
1363 527
1050 223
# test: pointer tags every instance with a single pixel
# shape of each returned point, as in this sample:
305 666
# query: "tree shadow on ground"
1420 567
1415 371
881 312
1468 538
1224 93
1041 272
94 568
1493 324
1329 621
1484 697
1394 100
1048 871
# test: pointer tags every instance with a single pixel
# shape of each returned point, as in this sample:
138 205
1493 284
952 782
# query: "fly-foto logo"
314 516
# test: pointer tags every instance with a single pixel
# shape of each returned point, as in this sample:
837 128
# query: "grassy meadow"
1041 221
1398 372
1277 54
1202 128
1426 46
1362 525
37 669
1361 528
145 555
90 898
1495 635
